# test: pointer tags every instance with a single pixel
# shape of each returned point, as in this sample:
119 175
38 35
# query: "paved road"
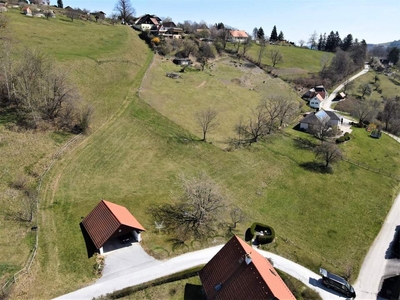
326 104
189 260
375 265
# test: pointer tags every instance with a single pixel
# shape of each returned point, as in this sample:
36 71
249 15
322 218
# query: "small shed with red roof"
238 271
109 220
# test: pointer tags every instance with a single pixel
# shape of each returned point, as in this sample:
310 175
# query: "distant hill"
388 44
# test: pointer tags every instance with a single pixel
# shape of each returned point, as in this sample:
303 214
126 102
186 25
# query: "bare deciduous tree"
256 127
364 111
237 216
21 205
302 42
125 10
198 210
322 129
204 53
85 118
72 14
312 41
263 45
276 57
329 152
364 89
207 119
246 46
391 111
347 85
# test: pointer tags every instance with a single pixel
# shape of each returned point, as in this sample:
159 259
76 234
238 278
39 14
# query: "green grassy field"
389 88
135 154
297 62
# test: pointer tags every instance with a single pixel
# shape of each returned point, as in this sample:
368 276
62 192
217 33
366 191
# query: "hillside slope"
135 155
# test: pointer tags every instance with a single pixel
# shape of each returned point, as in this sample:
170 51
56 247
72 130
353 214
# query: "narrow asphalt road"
376 265
189 260
326 104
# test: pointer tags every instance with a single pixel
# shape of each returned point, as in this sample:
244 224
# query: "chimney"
247 258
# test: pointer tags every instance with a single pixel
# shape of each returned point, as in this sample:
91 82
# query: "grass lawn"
139 146
231 88
297 62
389 88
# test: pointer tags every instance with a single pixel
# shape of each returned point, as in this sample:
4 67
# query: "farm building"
109 223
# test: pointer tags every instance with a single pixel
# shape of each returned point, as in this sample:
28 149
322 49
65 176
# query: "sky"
374 21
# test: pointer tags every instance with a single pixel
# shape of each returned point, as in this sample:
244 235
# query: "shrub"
342 139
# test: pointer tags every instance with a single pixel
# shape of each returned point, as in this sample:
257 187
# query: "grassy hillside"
101 75
390 87
297 62
136 153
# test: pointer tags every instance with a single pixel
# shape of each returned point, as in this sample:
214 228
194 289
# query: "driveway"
125 261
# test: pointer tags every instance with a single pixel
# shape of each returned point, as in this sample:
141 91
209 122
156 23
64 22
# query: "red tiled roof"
239 34
228 276
321 94
123 215
105 219
154 20
319 97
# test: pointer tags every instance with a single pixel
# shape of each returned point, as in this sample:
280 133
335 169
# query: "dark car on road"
337 283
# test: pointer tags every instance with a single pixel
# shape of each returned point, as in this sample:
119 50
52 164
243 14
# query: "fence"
369 168
5 289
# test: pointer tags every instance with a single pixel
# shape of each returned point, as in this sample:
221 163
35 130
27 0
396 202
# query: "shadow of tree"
304 143
316 167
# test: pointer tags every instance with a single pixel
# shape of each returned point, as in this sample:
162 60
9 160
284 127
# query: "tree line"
37 92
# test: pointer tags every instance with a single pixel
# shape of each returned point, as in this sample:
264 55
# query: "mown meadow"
141 142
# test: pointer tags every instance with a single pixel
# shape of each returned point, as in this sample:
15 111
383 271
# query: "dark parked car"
337 283
125 238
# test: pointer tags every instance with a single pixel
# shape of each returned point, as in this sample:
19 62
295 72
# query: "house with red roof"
109 221
238 36
316 101
238 271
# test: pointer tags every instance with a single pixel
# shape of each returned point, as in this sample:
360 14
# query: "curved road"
183 262
326 104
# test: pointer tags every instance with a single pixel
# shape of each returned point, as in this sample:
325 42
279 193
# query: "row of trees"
258 34
38 91
268 117
333 42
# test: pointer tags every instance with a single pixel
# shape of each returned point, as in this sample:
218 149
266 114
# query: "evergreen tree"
338 41
347 42
220 26
324 42
60 4
330 42
255 33
394 55
260 34
320 40
274 34
281 37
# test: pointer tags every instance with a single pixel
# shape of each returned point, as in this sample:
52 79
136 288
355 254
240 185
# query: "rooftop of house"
239 34
238 271
102 222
